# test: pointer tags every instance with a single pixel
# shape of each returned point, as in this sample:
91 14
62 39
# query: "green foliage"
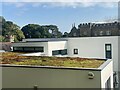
2 38
37 31
65 34
16 58
9 28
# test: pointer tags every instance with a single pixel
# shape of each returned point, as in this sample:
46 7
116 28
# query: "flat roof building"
106 47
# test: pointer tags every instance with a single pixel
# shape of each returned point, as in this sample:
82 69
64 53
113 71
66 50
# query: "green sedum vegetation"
15 58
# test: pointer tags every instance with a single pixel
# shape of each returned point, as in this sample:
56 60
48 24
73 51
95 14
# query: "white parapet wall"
56 77
107 74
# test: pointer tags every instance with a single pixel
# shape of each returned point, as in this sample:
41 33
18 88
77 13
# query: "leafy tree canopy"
37 31
9 28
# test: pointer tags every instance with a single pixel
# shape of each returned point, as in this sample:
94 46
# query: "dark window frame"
18 49
75 51
33 49
108 53
59 52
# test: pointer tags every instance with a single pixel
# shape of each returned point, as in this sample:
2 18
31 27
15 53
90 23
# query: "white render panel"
107 73
94 47
49 78
56 77
119 60
119 54
56 45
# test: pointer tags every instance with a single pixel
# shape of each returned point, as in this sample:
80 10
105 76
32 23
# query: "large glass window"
59 52
17 49
108 50
63 52
55 52
40 49
29 49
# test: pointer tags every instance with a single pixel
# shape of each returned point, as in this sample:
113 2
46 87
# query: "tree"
2 38
32 31
37 31
9 28
65 34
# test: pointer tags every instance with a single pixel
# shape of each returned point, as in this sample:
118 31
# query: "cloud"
83 4
66 3
60 0
17 4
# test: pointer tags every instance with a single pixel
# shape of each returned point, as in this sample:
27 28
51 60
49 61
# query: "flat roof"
14 58
44 39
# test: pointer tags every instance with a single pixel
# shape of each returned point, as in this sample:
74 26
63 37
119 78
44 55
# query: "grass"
14 58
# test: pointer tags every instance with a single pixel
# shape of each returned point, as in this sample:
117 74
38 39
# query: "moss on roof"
15 58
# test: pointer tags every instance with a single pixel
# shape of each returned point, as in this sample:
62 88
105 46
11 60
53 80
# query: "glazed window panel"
17 49
108 32
40 49
101 33
63 52
108 51
28 48
55 52
59 52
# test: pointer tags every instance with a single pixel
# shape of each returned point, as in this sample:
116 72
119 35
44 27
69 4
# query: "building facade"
107 47
96 29
37 77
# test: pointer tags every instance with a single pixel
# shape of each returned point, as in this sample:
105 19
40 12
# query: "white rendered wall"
119 60
56 45
55 77
49 78
106 73
119 54
94 47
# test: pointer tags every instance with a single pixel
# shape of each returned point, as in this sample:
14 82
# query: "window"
101 33
39 49
108 32
59 52
17 49
29 49
55 52
63 52
75 51
108 50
